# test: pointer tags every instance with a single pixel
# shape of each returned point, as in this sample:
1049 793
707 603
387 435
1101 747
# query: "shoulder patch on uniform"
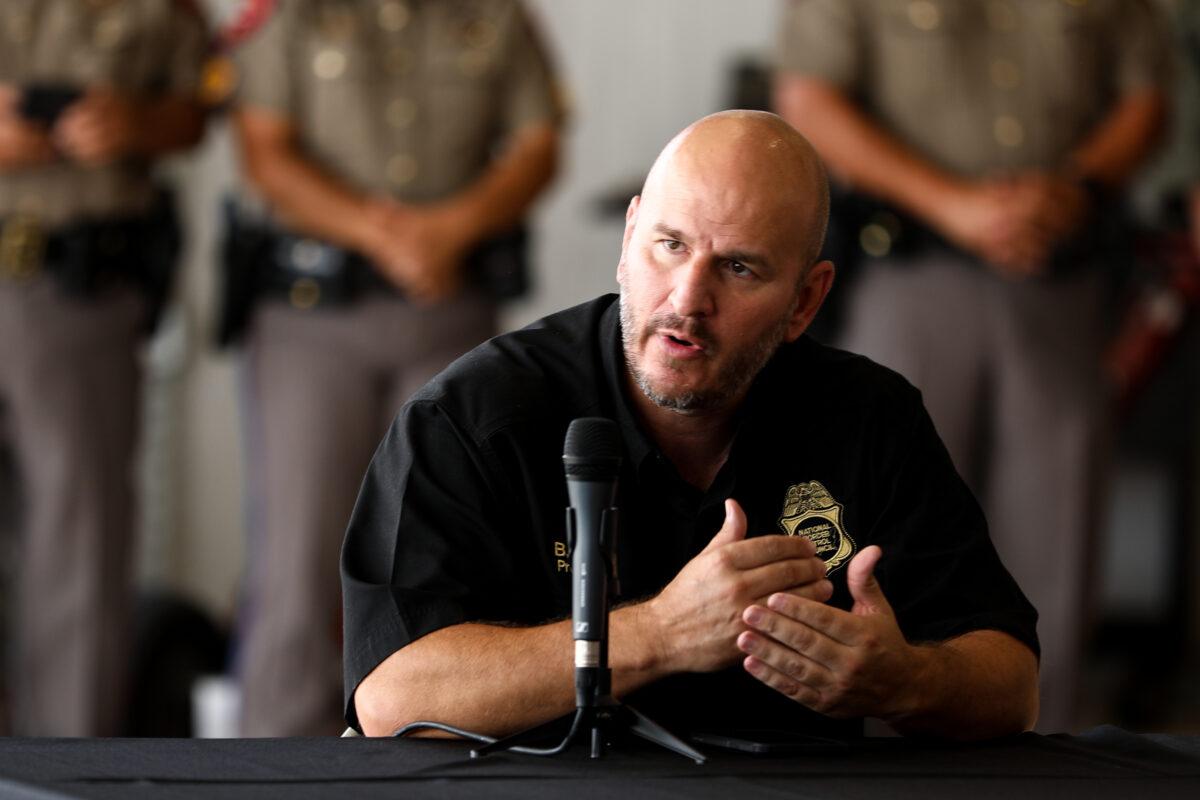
809 510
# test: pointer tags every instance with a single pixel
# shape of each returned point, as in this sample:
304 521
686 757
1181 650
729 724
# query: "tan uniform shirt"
404 97
145 47
979 86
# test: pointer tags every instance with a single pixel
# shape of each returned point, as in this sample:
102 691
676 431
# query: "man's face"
709 277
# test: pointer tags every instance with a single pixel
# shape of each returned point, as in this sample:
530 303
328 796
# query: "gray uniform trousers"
1011 375
69 381
322 386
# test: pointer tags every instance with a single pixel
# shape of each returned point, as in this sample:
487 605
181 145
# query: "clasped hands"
1015 222
419 248
764 600
99 128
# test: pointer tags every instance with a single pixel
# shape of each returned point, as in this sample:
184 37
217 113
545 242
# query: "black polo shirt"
460 517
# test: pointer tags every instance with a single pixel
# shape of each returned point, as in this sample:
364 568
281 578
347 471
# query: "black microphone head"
592 450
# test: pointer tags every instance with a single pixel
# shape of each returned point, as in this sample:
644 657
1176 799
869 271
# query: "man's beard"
732 381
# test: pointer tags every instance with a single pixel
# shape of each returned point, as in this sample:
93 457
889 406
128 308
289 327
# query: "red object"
1155 318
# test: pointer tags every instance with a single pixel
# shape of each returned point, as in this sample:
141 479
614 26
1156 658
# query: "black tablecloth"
1102 763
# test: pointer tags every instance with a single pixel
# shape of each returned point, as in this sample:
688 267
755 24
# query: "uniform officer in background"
991 136
389 142
91 95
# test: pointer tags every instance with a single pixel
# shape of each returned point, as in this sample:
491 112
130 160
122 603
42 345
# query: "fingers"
783 683
732 530
790 639
839 626
762 550
803 577
860 579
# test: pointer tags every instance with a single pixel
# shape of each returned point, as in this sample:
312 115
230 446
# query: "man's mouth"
679 340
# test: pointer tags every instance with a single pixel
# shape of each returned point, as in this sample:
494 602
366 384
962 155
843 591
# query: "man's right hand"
698 616
22 143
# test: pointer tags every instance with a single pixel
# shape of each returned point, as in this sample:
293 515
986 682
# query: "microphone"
591 459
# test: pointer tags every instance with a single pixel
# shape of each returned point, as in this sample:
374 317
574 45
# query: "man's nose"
692 292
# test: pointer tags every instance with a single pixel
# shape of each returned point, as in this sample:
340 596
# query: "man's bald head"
755 160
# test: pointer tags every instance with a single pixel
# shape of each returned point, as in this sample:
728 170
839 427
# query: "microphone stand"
598 715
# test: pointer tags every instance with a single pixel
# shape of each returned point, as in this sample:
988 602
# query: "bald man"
796 550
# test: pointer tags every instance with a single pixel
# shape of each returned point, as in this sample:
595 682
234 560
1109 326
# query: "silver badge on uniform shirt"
809 510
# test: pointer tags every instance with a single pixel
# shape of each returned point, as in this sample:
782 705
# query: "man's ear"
630 223
812 294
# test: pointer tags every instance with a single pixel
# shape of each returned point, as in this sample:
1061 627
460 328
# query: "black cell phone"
771 742
44 103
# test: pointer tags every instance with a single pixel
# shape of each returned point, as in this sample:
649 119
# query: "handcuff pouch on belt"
88 256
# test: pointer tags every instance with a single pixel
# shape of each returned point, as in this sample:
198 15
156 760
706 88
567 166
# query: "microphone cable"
422 725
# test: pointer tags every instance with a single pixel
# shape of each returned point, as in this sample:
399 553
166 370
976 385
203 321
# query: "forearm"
977 686
168 124
496 680
503 193
856 148
1122 140
307 199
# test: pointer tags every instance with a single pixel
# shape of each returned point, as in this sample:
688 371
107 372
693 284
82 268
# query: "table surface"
1101 763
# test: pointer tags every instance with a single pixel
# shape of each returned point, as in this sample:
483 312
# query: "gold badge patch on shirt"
809 510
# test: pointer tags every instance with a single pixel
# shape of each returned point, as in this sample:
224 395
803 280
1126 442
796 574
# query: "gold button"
1009 131
329 63
1005 74
924 15
393 16
109 31
401 169
397 60
875 240
304 294
1001 16
481 34
401 112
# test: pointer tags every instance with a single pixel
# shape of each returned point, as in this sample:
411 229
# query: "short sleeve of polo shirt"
265 78
423 548
532 94
939 570
821 39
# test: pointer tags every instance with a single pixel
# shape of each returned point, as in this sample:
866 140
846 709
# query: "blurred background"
633 73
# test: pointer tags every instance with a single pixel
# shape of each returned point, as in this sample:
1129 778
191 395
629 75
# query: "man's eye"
739 269
673 245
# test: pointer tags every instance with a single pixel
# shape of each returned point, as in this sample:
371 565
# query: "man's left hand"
839 663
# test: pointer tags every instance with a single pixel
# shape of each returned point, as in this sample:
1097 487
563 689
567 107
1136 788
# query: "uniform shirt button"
924 15
401 169
393 16
329 64
1009 131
